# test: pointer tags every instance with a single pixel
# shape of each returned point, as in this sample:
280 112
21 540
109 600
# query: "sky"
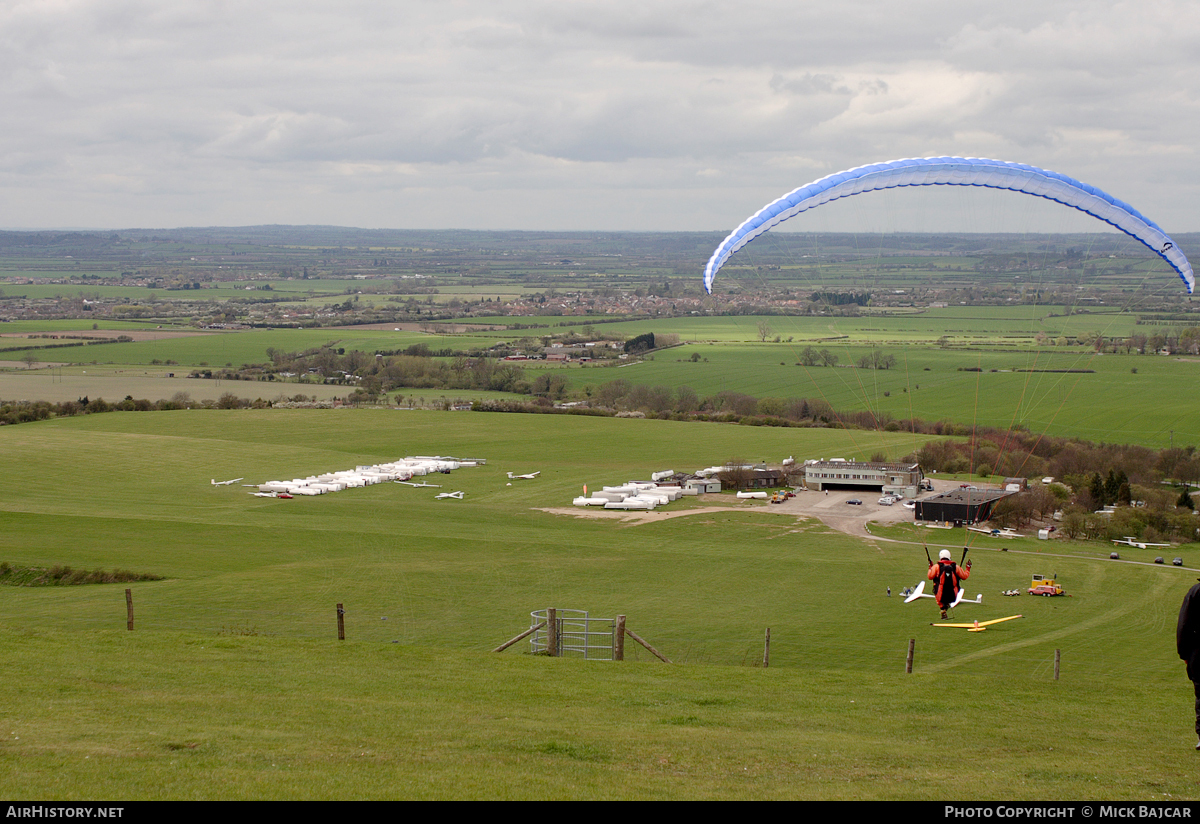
562 115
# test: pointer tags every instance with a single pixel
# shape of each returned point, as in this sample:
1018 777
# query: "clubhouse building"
899 479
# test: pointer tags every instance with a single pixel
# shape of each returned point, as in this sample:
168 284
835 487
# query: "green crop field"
969 365
1109 403
232 685
1012 324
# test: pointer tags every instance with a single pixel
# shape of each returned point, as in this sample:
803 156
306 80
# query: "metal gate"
578 635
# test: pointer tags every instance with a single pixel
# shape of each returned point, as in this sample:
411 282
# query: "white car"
887 500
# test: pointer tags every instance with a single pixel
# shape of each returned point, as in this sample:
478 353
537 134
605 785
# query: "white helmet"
944 555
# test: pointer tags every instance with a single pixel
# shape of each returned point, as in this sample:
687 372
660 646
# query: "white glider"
919 592
458 496
528 477
215 482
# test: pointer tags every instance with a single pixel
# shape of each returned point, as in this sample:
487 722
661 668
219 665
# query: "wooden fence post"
912 644
767 650
129 610
619 639
652 650
341 613
552 632
1057 661
523 635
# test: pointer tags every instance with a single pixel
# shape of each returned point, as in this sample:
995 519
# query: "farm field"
237 348
110 383
989 372
233 685
1108 403
1011 325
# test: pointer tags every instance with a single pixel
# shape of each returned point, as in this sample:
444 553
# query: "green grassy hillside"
233 685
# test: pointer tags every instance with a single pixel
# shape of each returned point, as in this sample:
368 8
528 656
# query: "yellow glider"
979 626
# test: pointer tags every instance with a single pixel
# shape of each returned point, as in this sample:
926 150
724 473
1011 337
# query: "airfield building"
901 479
960 506
756 477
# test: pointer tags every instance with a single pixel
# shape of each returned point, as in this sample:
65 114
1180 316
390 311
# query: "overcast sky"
574 115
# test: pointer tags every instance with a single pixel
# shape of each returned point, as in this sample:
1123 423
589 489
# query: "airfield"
233 685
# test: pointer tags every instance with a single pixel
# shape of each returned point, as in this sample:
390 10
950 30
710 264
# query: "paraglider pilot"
946 576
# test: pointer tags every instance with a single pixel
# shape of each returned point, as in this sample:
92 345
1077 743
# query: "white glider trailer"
395 471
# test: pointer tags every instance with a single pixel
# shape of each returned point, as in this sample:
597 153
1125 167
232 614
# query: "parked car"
854 502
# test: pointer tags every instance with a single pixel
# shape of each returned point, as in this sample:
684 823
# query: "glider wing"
979 624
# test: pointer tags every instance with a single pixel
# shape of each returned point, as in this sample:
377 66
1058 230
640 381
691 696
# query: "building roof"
967 496
882 467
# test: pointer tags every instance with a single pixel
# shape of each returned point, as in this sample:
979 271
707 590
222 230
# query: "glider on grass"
956 171
215 482
919 592
979 626
528 477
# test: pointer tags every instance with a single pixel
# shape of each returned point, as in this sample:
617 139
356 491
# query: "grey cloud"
809 84
311 111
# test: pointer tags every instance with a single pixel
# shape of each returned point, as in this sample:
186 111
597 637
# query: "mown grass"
414 706
163 715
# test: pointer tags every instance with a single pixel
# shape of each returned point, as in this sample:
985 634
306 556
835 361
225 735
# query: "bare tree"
736 474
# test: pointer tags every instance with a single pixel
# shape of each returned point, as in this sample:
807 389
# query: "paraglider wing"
956 171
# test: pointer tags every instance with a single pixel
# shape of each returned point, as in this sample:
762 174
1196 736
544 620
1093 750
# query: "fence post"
552 632
129 610
1057 661
912 644
523 635
651 649
341 613
619 639
767 650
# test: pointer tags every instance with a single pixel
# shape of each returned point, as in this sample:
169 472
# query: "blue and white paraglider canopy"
956 171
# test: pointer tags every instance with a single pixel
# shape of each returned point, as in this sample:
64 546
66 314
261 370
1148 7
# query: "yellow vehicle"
1045 586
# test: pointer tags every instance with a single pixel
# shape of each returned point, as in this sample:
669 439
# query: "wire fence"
1100 652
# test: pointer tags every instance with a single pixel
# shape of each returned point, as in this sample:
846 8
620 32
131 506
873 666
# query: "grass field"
232 685
990 372
1014 324
1108 403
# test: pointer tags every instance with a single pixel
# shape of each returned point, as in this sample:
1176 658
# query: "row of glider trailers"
396 471
638 495
647 495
